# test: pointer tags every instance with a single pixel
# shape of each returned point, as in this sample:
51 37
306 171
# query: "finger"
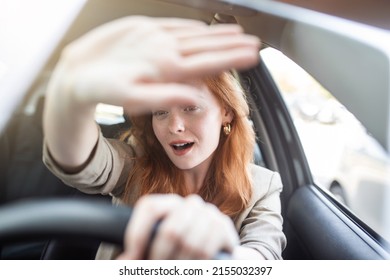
116 28
218 44
104 35
147 212
211 233
179 23
196 230
205 227
207 30
157 31
145 97
170 235
215 62
192 247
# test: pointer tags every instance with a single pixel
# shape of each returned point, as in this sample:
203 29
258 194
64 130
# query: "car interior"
317 227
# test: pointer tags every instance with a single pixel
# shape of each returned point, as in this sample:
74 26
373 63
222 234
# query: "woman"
186 160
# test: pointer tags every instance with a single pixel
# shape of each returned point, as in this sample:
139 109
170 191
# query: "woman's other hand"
190 229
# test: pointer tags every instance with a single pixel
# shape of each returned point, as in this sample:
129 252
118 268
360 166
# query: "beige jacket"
259 226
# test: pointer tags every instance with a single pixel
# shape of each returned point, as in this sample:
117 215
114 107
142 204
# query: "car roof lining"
373 12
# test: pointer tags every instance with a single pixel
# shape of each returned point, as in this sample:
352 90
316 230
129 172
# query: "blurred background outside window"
344 159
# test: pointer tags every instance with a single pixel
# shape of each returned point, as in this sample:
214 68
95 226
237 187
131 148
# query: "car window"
345 160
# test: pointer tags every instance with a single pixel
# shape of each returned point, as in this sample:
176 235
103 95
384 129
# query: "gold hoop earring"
227 128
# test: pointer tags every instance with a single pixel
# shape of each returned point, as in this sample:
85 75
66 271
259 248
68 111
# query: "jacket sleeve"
105 173
261 226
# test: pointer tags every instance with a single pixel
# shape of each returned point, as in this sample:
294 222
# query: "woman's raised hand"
136 62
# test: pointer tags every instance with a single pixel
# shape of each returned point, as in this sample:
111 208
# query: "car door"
316 225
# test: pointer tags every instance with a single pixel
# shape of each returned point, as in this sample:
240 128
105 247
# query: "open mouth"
182 146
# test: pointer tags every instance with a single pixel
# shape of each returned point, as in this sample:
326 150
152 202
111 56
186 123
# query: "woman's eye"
160 114
191 108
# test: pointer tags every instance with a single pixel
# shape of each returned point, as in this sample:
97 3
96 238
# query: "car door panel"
323 233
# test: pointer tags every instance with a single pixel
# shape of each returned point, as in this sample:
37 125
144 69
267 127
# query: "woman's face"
189 132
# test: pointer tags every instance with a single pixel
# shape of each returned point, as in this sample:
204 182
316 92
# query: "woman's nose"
176 124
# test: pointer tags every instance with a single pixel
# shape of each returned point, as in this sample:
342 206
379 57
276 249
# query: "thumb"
126 256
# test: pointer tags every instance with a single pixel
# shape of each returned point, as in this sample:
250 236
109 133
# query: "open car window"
344 158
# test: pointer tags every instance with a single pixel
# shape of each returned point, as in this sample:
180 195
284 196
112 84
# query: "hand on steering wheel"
189 229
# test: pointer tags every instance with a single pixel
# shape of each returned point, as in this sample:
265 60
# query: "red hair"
228 181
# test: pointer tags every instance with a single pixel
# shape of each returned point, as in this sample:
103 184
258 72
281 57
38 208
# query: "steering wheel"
62 218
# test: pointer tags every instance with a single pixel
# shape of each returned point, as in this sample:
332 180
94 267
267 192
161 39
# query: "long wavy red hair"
228 181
